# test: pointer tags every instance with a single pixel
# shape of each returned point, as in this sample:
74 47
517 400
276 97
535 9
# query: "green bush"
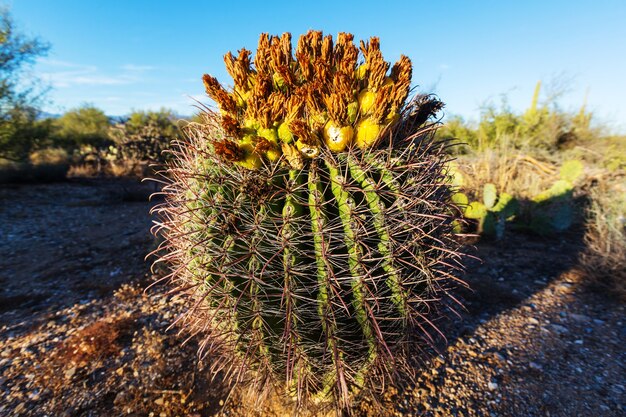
85 125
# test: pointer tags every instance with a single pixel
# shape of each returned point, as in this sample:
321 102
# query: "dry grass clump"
512 171
605 256
42 166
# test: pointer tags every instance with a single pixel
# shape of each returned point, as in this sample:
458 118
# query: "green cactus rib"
385 249
346 207
292 210
393 185
319 223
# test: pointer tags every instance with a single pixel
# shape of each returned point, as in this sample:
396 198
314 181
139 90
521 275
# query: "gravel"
79 336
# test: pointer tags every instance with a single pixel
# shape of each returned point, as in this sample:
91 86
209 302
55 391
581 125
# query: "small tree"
17 103
85 125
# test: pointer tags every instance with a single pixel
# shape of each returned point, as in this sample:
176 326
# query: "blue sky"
123 55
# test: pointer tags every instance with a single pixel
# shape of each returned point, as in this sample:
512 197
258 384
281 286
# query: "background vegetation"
543 170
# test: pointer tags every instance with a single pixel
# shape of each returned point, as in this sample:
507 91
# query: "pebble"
579 317
559 329
535 366
70 372
159 401
492 386
533 320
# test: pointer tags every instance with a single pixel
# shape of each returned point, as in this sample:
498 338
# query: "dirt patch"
95 342
80 337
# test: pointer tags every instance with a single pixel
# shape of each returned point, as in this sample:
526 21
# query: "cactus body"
312 270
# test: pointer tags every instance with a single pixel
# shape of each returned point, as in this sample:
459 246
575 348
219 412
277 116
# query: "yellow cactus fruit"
273 153
241 97
316 121
366 101
268 133
250 160
310 151
361 72
353 111
284 133
337 137
367 133
392 117
251 125
279 82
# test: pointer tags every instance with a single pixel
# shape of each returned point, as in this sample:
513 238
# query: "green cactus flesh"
319 273
571 170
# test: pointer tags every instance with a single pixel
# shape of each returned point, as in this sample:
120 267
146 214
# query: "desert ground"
80 335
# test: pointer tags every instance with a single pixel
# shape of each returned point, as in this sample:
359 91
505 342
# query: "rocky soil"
79 336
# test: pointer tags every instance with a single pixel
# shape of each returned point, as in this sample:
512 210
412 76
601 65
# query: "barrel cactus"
308 220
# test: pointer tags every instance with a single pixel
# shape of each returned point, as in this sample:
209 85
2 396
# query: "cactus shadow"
510 271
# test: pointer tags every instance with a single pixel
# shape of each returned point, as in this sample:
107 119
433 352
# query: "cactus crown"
325 96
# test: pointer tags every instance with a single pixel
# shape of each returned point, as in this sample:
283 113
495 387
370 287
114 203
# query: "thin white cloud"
137 68
62 74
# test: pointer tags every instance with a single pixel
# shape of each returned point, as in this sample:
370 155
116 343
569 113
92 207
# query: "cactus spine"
309 222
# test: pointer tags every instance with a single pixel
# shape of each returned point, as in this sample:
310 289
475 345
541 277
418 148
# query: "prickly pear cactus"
492 213
309 222
553 210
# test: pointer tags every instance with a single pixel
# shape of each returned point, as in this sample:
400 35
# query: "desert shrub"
83 126
309 223
605 237
143 136
541 129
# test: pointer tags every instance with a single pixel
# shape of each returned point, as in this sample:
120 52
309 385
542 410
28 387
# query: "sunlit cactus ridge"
308 223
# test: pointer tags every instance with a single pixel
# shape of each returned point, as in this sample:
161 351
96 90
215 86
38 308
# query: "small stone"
579 317
70 372
535 366
119 371
533 320
159 401
492 386
559 329
579 342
